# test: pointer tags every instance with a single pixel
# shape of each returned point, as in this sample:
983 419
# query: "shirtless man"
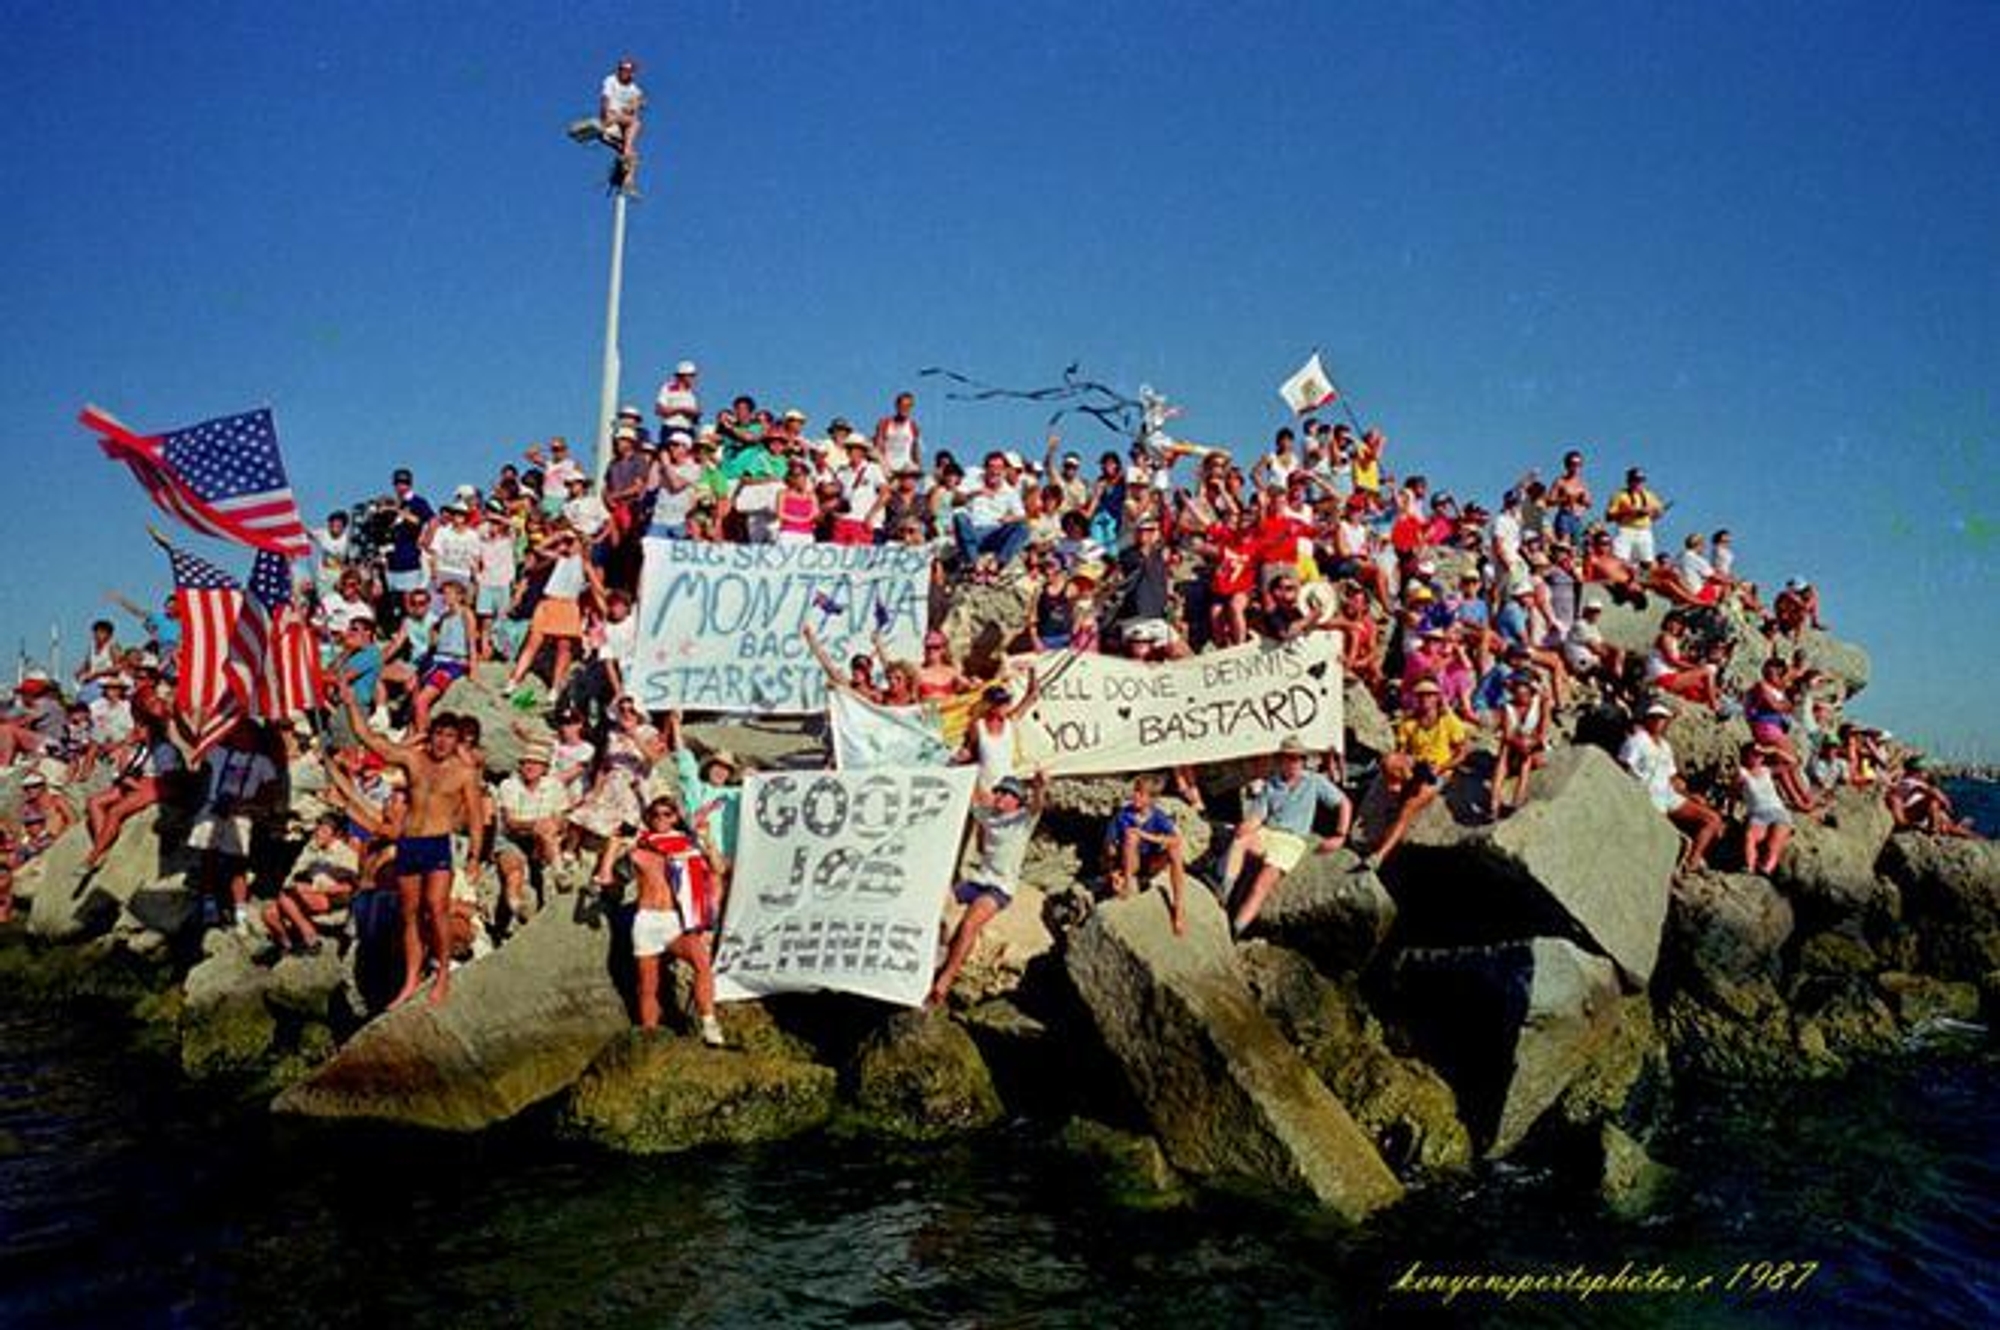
444 797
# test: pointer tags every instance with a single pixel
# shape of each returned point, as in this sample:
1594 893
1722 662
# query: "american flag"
208 602
273 657
223 477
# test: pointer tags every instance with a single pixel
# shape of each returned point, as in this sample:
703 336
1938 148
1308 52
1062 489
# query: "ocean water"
130 1198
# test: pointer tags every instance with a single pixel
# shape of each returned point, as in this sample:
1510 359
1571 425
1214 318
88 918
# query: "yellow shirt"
1634 511
1431 743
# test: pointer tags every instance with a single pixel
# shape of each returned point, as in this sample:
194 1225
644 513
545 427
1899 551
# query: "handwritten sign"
869 734
840 882
1105 714
719 624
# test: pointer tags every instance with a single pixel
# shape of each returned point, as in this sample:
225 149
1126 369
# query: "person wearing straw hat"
1430 744
1277 827
530 806
712 792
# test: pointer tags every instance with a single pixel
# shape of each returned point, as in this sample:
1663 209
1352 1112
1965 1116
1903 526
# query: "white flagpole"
607 397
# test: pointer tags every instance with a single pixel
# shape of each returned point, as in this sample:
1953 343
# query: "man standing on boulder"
444 796
1277 826
678 907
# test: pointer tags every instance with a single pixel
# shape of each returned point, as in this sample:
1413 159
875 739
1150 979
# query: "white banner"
867 734
840 881
1100 715
719 623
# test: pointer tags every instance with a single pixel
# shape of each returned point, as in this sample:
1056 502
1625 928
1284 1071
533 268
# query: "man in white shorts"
679 904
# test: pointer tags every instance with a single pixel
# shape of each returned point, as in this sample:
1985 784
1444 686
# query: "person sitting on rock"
1672 669
321 884
1768 707
1140 841
42 818
1277 827
1003 820
1360 639
1430 744
1796 608
1767 823
1586 652
680 900
1649 757
1522 731
530 807
1916 803
1602 565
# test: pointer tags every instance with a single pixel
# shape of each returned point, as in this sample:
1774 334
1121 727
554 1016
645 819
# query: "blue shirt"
1154 822
1512 622
366 667
1290 807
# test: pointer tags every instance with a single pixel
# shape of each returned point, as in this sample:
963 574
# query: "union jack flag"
208 603
273 657
223 477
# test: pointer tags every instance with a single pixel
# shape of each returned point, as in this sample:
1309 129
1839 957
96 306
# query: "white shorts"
225 835
1633 546
653 931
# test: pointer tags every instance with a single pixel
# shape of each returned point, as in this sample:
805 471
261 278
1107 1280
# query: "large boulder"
225 1025
505 728
1727 929
983 621
921 1078
1332 910
1843 661
1011 941
1227 1096
1404 1105
1632 630
1707 747
1828 870
648 1092
1587 857
522 1023
1368 729
72 902
1951 893
1510 1026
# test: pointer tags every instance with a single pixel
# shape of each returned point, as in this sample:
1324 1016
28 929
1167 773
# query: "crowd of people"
1478 631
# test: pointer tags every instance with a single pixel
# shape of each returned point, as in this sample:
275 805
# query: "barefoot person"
1767 822
1278 827
1005 818
444 797
619 103
1140 841
1648 756
678 906
1429 746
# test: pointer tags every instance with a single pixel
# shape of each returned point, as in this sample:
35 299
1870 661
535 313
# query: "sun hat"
686 367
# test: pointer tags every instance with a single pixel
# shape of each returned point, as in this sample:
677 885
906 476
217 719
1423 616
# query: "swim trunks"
423 854
968 892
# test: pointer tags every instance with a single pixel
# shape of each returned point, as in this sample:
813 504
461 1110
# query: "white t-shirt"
1695 570
863 485
623 98
1652 761
496 560
555 476
565 578
672 506
677 405
339 611
110 721
989 508
587 514
455 552
621 643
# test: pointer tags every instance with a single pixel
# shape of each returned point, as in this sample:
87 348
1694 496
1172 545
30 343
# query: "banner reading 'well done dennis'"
1105 714
719 623
840 880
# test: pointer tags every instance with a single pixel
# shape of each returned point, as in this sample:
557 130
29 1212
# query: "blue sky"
1754 248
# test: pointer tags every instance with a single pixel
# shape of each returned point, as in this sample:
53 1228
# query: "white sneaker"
711 1032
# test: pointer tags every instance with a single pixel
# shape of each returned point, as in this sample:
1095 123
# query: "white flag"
1309 389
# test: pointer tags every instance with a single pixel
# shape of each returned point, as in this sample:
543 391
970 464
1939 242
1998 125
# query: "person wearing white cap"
111 712
1648 755
677 405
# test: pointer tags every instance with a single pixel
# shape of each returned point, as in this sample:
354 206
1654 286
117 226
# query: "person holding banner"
679 903
1141 842
1277 827
1003 820
712 792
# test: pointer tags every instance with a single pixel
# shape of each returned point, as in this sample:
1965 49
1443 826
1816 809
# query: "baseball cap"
401 476
1009 785
686 367
1659 709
